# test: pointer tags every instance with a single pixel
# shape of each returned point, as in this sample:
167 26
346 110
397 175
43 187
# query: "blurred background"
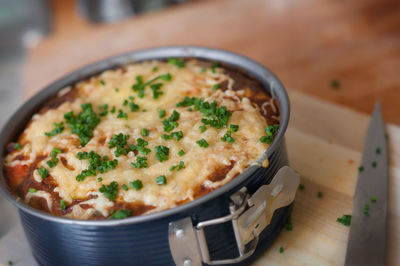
342 51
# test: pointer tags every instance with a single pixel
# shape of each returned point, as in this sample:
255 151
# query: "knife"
366 244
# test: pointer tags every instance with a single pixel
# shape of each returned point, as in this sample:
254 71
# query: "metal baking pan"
231 225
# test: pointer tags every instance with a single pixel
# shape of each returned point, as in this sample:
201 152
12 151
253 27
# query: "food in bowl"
141 138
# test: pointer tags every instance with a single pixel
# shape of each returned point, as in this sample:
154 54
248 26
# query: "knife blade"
366 243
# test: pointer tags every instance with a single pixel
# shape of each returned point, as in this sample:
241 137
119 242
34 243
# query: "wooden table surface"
307 43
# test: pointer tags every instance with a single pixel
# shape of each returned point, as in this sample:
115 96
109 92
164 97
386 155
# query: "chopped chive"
181 152
177 62
202 143
102 82
137 184
378 150
116 90
374 164
345 220
112 109
144 132
63 205
366 209
10 263
289 225
43 172
302 187
154 69
373 199
32 190
125 187
161 113
319 195
161 180
203 69
178 167
361 168
214 65
216 86
120 214
99 179
203 128
281 250
17 146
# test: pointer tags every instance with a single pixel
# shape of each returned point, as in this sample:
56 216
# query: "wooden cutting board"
325 144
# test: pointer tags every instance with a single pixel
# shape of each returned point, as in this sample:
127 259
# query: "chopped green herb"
202 143
214 66
102 82
203 128
181 152
54 160
133 106
178 167
137 184
161 113
113 110
302 187
119 141
84 123
366 209
170 122
141 162
122 114
17 146
144 132
116 90
190 109
289 225
203 69
63 205
161 180
141 146
281 250
10 263
103 110
162 153
120 214
270 131
319 194
140 86
335 84
374 164
386 136
110 191
96 164
125 103
228 135
345 219
43 172
212 115
155 69
177 135
156 88
166 137
373 199
125 187
177 62
166 77
58 128
144 110
361 168
32 190
99 179
216 86
378 150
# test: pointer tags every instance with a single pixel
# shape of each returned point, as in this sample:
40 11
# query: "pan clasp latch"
249 215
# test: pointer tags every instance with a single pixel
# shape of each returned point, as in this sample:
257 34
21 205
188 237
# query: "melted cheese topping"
200 163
